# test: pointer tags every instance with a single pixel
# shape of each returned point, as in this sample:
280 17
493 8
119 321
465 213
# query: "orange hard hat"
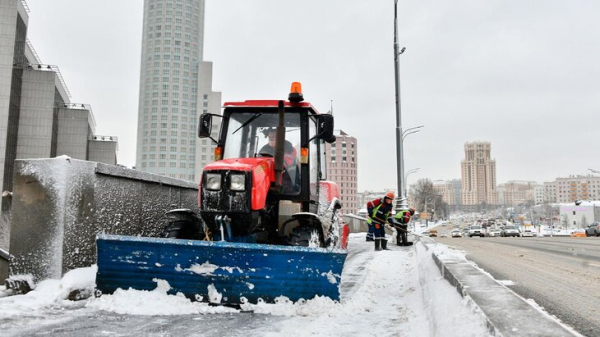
390 195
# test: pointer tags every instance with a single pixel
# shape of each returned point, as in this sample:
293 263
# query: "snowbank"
396 292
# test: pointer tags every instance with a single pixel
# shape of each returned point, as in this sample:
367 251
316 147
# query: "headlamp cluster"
237 182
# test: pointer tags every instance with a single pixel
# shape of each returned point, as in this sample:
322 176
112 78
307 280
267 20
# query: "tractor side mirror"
325 128
204 125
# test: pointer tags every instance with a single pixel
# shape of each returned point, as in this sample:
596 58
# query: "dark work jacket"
379 209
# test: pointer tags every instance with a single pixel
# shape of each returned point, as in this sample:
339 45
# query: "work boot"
377 243
384 245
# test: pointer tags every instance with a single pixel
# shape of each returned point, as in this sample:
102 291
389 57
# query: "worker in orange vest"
379 210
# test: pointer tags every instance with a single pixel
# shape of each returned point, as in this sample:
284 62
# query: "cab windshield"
252 134
248 133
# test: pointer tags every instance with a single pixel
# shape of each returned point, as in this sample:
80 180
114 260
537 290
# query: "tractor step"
216 271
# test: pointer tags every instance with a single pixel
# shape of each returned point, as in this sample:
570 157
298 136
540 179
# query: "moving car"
433 233
456 233
528 233
510 230
494 232
593 229
476 230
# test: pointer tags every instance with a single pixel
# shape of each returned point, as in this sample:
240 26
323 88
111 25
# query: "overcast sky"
524 75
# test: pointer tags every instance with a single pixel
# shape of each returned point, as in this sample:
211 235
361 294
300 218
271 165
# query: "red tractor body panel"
329 190
263 173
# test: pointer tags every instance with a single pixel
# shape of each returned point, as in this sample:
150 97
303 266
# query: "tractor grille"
224 200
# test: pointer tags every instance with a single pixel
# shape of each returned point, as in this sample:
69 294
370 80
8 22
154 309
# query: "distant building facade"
516 192
538 194
577 187
342 163
175 88
450 190
37 118
550 192
478 175
574 216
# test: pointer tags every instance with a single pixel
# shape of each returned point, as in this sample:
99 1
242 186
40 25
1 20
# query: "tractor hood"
242 164
260 170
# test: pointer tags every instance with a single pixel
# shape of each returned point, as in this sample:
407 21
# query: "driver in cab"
291 175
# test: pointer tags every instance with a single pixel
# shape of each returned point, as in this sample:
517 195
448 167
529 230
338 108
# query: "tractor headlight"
237 182
213 181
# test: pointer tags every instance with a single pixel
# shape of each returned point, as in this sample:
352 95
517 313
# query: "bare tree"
426 200
584 222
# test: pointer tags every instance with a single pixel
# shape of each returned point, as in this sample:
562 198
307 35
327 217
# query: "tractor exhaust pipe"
279 145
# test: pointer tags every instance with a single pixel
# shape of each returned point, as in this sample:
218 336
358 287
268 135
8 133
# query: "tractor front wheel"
181 229
305 237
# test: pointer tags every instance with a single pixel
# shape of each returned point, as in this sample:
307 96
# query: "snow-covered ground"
390 293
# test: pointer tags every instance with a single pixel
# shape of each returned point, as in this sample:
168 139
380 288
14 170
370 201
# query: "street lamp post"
409 172
399 150
405 134
410 131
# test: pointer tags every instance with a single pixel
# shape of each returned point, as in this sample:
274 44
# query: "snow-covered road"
391 293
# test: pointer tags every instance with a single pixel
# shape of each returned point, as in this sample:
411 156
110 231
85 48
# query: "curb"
506 313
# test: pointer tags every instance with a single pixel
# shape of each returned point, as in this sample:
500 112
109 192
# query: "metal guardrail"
106 138
24 3
35 54
80 106
49 67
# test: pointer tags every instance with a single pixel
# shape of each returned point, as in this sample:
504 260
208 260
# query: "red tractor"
264 204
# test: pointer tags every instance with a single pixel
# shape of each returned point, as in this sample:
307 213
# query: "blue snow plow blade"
218 272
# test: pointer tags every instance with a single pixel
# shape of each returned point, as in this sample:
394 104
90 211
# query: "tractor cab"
269 168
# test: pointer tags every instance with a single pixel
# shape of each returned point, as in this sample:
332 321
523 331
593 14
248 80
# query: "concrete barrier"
60 204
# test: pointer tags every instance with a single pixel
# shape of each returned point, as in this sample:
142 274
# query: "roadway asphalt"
561 274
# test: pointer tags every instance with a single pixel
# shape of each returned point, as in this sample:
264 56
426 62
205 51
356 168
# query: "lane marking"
593 264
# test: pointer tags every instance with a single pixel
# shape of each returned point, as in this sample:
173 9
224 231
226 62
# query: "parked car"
510 230
579 233
433 233
456 233
593 229
476 230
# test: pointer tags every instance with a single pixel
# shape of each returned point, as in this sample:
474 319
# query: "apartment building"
342 163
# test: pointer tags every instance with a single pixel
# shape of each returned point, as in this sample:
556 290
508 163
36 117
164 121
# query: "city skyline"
488 71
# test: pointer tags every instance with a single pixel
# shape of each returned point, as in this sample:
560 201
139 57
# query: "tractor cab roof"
270 104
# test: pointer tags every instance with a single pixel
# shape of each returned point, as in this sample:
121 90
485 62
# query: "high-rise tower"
175 88
478 175
342 166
